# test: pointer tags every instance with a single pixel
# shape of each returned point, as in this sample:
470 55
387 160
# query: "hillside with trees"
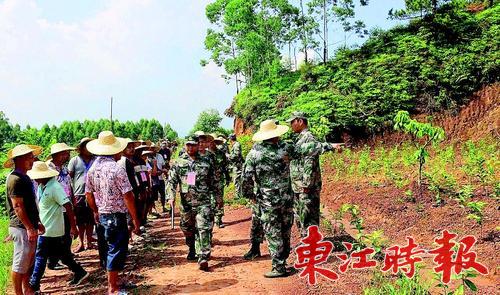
447 51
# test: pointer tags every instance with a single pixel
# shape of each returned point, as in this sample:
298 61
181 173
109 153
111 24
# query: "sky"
63 60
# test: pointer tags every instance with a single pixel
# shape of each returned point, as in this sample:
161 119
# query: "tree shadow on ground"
233 260
217 242
211 286
230 223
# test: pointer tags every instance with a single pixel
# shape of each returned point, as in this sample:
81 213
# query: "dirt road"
160 267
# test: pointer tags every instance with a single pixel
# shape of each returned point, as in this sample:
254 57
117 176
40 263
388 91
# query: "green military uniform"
305 172
220 177
195 191
236 159
267 167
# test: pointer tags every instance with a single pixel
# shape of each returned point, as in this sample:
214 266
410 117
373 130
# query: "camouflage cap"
199 134
193 140
296 115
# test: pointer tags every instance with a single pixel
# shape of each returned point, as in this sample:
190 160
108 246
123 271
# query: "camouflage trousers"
256 230
217 201
196 224
306 210
277 223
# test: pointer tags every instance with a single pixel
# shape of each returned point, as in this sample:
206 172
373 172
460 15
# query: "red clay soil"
383 207
160 267
477 119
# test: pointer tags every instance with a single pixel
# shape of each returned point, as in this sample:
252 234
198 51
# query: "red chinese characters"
361 258
403 258
450 257
314 252
449 261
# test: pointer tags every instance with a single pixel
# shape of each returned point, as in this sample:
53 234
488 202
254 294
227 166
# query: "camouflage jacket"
224 147
235 156
221 166
267 168
305 170
200 192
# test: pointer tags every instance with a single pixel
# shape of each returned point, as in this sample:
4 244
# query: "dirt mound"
480 118
476 120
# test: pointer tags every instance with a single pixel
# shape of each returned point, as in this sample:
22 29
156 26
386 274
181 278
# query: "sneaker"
57 266
204 265
79 278
276 274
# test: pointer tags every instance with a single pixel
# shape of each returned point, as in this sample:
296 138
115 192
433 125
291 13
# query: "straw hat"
268 129
21 150
130 141
142 146
144 153
154 147
60 147
82 141
41 170
107 144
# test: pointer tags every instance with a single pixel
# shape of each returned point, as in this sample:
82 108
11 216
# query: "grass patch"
6 250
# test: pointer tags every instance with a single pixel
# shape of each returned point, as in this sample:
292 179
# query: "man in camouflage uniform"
236 160
221 178
193 174
256 229
267 167
305 173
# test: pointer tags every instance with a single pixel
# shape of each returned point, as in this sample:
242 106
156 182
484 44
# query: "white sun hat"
107 144
41 170
60 147
268 129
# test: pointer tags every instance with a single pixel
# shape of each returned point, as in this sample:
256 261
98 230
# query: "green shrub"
6 251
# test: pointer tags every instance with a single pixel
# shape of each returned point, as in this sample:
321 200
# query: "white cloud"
138 51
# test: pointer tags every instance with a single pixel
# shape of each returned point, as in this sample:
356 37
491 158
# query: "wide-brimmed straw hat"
154 147
142 146
146 152
21 150
131 141
107 144
268 129
83 141
60 147
41 170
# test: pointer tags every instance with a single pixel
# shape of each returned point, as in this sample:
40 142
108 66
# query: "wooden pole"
112 114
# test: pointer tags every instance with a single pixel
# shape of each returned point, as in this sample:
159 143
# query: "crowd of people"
112 185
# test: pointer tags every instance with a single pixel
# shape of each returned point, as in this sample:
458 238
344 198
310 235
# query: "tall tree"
247 36
340 11
208 121
6 130
419 8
